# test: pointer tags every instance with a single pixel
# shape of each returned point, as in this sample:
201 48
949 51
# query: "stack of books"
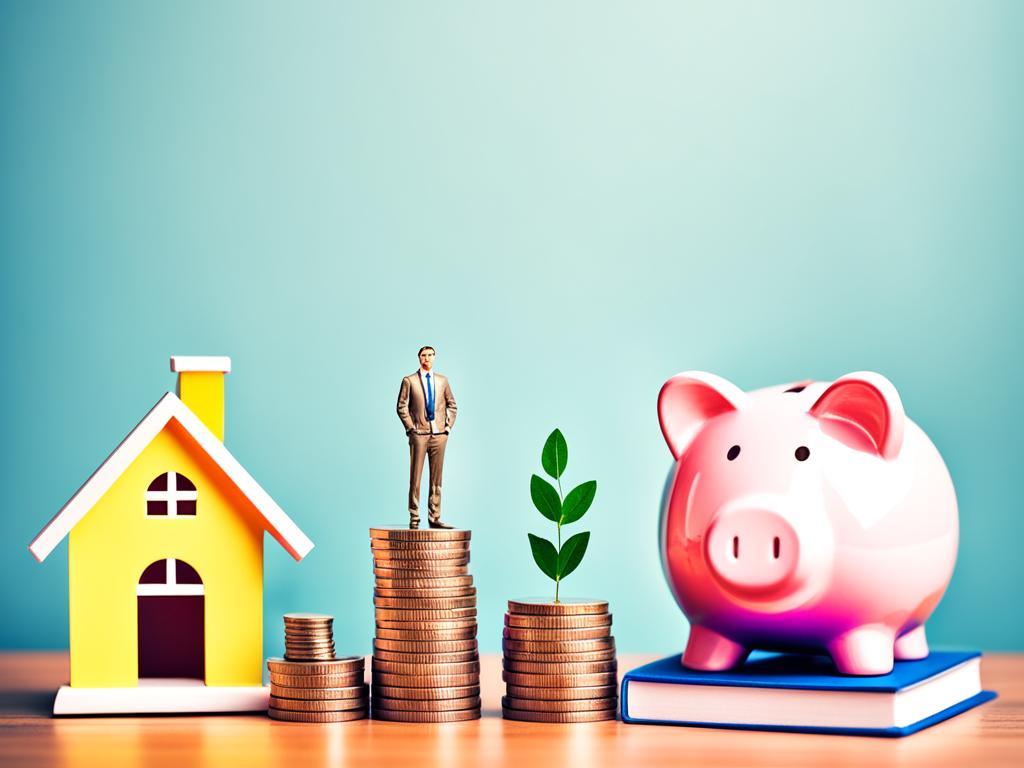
790 692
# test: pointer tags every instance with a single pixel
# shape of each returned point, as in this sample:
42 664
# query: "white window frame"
172 496
172 587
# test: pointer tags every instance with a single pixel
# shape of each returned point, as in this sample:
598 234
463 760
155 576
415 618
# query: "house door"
171 602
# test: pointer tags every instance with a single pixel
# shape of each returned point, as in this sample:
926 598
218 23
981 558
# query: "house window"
169 577
171 495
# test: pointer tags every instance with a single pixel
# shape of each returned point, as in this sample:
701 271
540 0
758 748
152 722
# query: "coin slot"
736 547
776 547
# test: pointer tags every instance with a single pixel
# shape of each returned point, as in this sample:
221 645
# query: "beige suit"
412 410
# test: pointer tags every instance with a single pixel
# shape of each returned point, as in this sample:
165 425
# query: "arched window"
171 495
170 577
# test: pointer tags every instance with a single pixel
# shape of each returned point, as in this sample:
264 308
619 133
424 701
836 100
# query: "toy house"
165 562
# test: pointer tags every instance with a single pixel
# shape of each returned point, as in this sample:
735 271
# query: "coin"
560 668
548 635
417 573
575 705
429 592
420 546
317 681
308 618
562 694
318 705
460 633
418 568
424 646
558 646
404 614
425 603
426 717
334 666
317 717
442 625
352 692
404 533
557 681
558 717
567 607
310 645
553 658
424 582
425 555
426 705
449 668
424 694
425 681
327 656
426 658
529 621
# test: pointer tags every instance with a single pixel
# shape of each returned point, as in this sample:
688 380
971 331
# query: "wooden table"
990 735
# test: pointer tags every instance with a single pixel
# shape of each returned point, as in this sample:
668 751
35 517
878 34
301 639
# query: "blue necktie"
430 399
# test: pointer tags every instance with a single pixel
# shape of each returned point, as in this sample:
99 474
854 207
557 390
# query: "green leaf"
555 454
578 501
572 553
545 498
545 556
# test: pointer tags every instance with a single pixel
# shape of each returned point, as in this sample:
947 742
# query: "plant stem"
561 499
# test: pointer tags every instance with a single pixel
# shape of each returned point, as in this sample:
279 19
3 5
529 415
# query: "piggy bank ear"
868 404
689 399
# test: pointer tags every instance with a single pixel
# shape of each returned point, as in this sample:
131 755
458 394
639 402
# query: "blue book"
792 692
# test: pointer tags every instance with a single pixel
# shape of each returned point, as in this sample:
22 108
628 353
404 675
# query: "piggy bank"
806 517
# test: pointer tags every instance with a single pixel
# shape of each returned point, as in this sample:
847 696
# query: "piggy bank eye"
802 453
733 453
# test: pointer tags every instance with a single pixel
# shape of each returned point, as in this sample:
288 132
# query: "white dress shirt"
433 384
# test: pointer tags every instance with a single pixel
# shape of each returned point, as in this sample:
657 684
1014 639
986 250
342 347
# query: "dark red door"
171 606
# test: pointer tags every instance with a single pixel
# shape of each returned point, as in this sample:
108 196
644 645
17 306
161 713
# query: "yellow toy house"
165 561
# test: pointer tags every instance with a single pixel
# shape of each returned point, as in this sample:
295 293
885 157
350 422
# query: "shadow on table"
31 703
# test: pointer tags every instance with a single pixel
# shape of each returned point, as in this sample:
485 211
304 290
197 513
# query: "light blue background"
571 201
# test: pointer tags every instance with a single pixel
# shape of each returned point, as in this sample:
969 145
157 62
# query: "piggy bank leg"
864 651
711 652
912 645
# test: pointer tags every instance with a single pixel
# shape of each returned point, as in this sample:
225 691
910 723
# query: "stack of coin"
426 668
308 637
310 685
559 662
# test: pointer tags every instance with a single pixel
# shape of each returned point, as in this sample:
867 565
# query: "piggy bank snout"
753 552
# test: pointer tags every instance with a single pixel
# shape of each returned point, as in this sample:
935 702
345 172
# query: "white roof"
169 407
206 364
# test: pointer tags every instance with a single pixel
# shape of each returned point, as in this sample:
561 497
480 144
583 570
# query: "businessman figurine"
427 408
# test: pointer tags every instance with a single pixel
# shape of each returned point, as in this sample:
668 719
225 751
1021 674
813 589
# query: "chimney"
201 388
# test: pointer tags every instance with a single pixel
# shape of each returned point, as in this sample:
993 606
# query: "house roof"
279 525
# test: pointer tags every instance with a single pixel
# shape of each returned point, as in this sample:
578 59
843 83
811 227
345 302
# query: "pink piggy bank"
803 517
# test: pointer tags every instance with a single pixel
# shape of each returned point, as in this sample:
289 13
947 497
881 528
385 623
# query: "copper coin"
457 545
433 635
400 533
317 681
425 681
318 705
433 555
424 582
562 694
545 607
426 658
441 625
575 705
317 717
403 614
400 716
528 621
553 658
344 664
352 692
418 568
426 705
558 646
425 694
432 593
309 656
416 573
300 646
558 717
425 603
527 680
550 635
449 668
414 646
560 668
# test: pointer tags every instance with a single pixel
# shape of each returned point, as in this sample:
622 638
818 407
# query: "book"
797 692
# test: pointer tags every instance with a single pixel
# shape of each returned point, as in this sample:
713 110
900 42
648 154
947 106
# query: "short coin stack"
309 684
559 662
426 668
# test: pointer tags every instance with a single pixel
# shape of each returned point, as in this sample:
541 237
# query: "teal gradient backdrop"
571 201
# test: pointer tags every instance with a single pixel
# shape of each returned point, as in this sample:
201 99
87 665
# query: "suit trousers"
431 446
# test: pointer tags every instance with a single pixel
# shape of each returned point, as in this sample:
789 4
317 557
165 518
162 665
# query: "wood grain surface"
990 735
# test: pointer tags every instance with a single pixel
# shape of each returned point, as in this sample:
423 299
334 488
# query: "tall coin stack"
309 684
559 662
426 668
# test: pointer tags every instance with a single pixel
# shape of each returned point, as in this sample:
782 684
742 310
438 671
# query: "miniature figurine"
812 516
427 409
